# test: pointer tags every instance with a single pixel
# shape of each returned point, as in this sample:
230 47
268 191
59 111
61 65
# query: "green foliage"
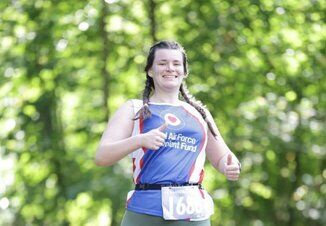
259 66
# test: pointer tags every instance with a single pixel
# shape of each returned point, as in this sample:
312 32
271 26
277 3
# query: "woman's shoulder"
187 105
190 108
136 104
130 105
193 110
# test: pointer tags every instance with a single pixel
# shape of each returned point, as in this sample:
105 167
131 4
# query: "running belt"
159 186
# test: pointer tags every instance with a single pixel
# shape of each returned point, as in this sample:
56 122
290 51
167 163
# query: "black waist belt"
159 186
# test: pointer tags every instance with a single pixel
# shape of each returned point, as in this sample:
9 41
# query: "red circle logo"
171 119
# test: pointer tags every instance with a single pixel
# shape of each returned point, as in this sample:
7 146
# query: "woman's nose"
170 67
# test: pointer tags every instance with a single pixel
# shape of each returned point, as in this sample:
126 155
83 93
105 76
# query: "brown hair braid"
197 105
144 112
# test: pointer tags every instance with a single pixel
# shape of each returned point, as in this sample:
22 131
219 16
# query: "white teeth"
170 76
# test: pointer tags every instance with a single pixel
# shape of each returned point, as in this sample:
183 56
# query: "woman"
168 140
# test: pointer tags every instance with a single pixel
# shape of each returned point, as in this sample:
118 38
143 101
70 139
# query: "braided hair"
144 112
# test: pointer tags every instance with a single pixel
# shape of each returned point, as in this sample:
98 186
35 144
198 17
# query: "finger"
163 127
233 177
229 161
232 168
160 139
158 144
232 173
161 134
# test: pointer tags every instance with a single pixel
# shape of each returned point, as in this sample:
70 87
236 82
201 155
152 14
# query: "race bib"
186 203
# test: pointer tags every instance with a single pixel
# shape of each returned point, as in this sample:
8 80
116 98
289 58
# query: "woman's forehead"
168 54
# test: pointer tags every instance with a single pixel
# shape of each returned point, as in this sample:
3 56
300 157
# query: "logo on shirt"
172 119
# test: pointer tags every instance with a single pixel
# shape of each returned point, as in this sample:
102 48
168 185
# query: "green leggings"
137 219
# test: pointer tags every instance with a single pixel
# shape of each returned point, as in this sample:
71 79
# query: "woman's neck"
171 98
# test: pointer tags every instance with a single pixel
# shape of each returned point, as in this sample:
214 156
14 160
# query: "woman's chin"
171 86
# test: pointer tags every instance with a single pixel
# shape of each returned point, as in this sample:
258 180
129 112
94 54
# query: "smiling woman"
168 139
167 71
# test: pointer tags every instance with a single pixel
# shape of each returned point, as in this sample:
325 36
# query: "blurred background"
66 66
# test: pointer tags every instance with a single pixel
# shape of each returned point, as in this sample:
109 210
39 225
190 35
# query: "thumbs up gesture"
231 169
154 139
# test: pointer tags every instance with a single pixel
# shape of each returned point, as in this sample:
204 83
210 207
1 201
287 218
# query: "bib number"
188 202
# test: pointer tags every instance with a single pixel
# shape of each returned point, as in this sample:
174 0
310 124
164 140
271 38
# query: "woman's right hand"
154 139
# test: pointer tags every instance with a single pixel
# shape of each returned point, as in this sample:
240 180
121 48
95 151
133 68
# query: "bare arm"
217 153
117 142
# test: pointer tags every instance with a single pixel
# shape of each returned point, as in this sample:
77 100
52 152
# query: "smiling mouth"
170 76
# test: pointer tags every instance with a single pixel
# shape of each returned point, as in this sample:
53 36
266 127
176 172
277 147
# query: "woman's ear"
150 73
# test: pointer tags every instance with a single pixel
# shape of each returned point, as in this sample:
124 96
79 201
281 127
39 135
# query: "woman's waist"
159 186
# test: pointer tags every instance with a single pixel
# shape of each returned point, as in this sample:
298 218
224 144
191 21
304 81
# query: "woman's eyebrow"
160 60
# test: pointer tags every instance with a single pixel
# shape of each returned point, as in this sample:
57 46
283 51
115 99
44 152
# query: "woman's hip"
138 219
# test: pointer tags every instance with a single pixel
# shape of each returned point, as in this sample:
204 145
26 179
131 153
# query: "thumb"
229 161
163 127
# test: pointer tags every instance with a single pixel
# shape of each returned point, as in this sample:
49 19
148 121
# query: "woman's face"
167 70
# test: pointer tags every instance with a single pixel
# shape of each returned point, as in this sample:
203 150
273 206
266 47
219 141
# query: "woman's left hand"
232 169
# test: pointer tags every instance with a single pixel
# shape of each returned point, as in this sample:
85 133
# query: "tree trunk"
151 12
104 58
